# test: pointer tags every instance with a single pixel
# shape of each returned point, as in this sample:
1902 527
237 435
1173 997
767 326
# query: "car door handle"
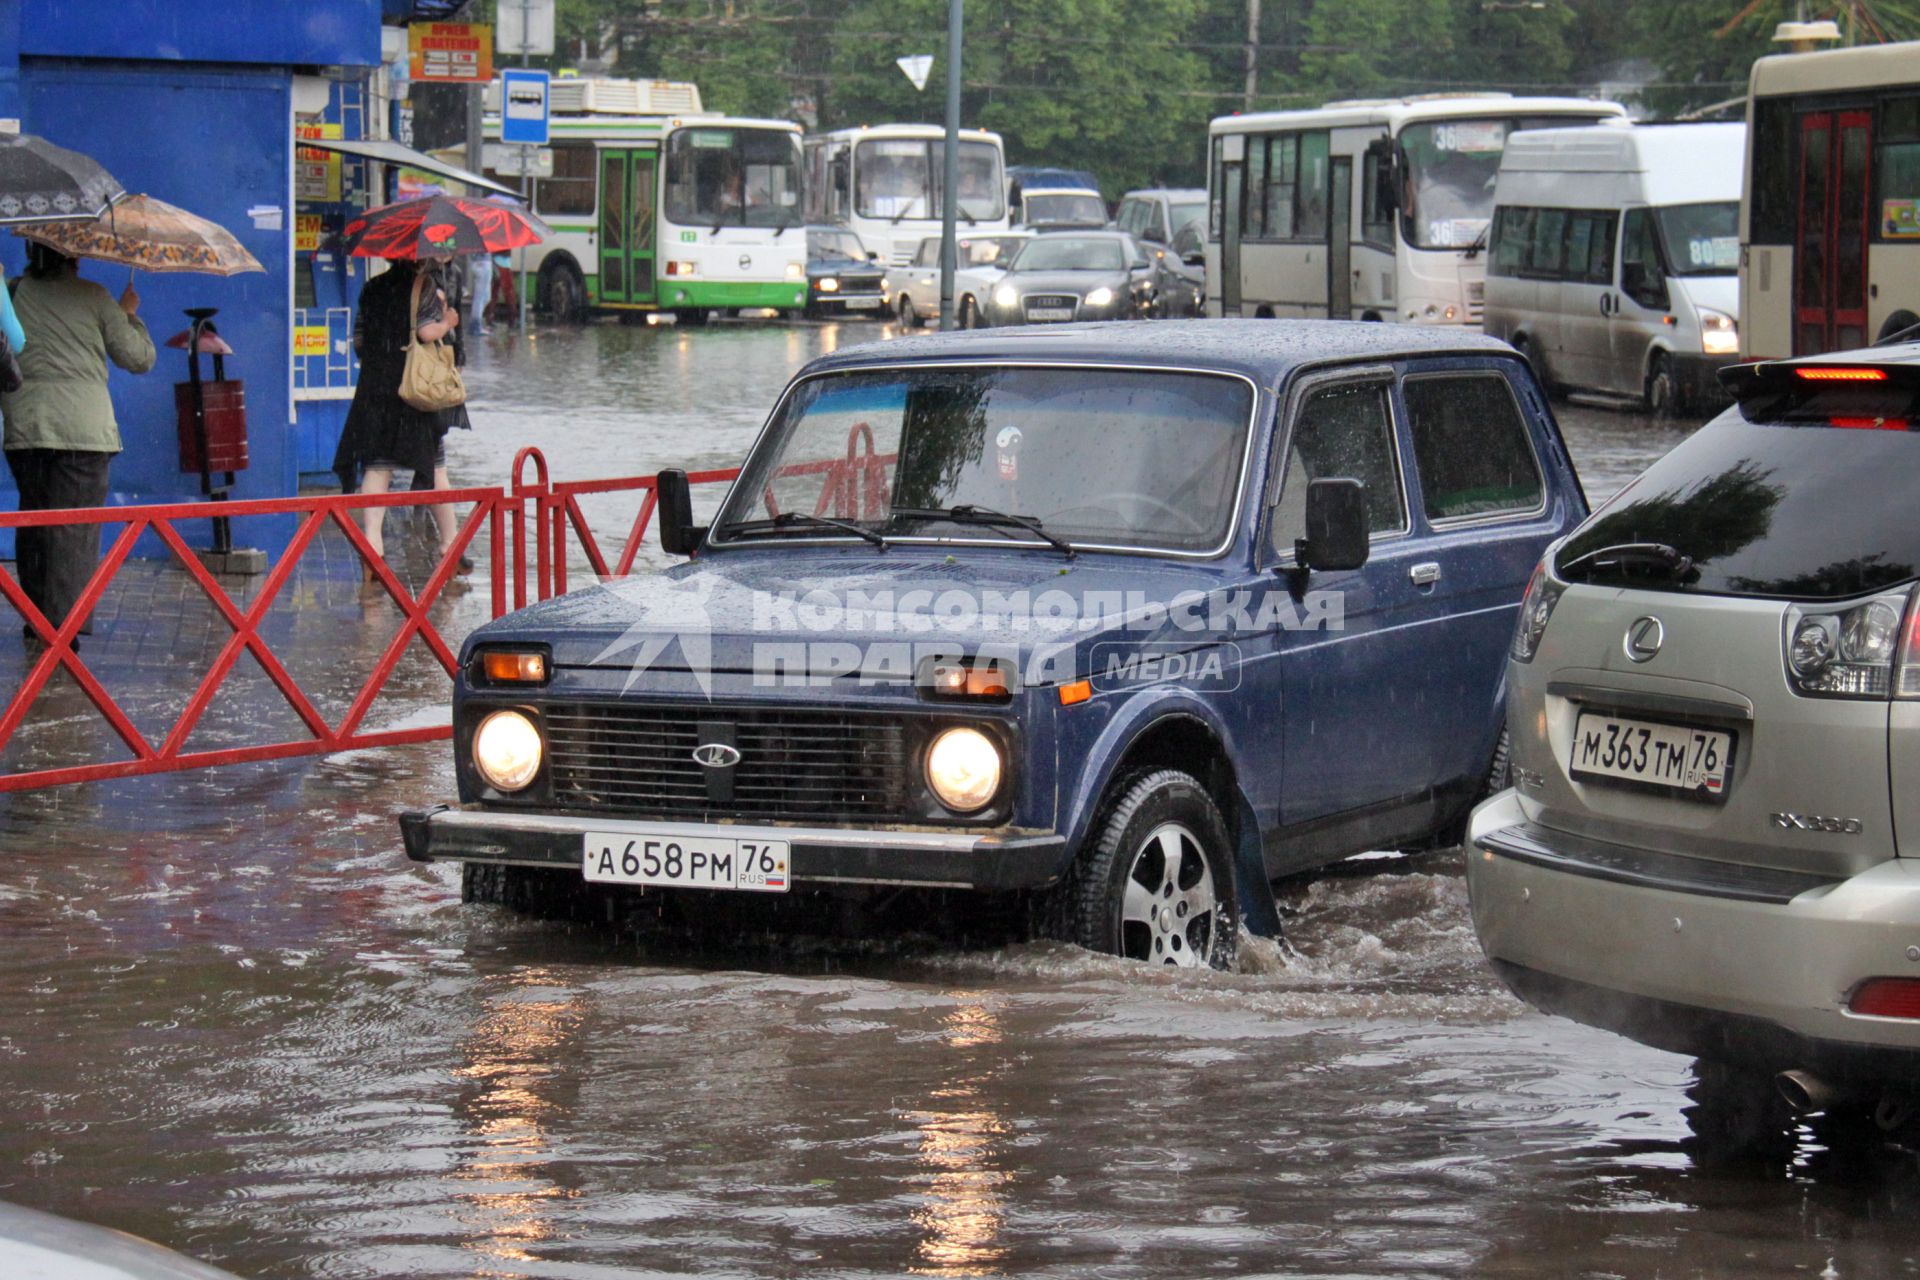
1606 304
1424 575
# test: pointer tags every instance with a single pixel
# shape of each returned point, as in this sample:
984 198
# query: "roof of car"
1174 193
1265 350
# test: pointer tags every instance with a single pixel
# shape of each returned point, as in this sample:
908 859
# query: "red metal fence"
504 515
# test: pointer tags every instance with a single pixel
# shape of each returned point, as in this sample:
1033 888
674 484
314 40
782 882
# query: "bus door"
1340 238
1830 255
1233 181
627 224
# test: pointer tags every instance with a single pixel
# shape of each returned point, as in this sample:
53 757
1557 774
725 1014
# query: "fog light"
963 768
1886 998
507 750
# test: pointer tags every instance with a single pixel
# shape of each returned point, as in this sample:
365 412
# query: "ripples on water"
233 1018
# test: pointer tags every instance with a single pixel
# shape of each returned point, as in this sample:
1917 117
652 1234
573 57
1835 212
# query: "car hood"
809 607
1079 282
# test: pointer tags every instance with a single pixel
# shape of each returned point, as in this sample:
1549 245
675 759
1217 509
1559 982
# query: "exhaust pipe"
1805 1091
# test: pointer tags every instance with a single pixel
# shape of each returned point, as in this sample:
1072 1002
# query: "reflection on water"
234 1018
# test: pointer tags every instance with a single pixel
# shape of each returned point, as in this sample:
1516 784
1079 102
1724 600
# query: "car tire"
693 316
1524 346
1156 881
541 893
1900 320
563 292
903 308
1663 389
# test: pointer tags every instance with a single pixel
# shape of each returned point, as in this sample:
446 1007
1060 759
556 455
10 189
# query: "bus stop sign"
523 107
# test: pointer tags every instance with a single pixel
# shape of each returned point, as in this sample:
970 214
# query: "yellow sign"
306 232
316 173
309 340
460 52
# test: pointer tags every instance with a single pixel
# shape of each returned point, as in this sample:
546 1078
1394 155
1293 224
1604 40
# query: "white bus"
884 183
1830 212
1366 210
656 205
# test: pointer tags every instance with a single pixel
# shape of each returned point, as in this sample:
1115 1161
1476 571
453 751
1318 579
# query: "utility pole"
1253 54
949 207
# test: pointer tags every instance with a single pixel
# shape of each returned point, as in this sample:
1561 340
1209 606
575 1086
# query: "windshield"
733 177
1801 503
1189 215
989 251
1066 207
1701 239
1070 253
901 178
1128 458
836 245
1446 200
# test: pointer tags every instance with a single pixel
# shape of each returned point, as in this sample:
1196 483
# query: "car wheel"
1157 882
539 892
695 316
909 318
970 314
1524 346
1898 322
1663 389
563 293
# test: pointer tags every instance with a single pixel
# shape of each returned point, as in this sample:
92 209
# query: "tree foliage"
1125 87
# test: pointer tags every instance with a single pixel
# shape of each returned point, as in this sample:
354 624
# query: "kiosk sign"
451 52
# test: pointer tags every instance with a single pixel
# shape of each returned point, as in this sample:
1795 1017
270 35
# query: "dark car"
841 276
1073 275
1125 618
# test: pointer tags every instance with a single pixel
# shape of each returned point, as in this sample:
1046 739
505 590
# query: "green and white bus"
659 206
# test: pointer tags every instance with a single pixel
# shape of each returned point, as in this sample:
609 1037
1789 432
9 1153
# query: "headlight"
1719 336
507 750
796 271
829 285
963 768
1006 295
1100 297
1845 652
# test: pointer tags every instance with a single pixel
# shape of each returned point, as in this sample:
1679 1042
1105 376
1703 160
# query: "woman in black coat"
383 433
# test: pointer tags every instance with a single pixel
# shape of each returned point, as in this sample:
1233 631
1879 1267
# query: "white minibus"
884 182
1614 259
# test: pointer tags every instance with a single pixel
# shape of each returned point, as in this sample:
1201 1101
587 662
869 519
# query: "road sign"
456 52
524 27
517 161
523 115
916 67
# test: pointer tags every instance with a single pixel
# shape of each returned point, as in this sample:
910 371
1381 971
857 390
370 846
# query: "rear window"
1805 496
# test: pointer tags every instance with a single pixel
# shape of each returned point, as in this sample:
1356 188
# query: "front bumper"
858 301
1019 859
1696 956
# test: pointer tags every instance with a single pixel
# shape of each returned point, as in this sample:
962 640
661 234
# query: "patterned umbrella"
39 181
151 235
432 226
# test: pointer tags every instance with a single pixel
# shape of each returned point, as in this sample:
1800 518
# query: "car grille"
860 284
1045 300
793 764
1476 299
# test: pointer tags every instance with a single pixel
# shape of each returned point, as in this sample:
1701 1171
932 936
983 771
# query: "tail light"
1536 610
1850 652
1906 678
1886 998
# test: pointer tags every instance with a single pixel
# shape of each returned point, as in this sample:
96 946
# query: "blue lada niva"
1123 619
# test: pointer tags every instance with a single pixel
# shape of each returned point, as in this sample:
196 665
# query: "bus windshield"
1701 239
901 178
1446 198
733 176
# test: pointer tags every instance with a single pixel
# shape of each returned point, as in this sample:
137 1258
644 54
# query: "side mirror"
1337 526
678 534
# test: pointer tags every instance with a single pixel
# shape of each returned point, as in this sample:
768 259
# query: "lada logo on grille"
716 755
1644 639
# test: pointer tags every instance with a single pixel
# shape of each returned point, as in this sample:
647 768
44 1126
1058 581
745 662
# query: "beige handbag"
429 382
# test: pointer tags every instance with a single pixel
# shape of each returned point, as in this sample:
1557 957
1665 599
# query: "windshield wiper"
1479 242
1652 558
802 520
987 518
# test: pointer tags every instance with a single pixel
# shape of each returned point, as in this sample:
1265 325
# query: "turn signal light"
1837 373
1077 692
954 678
1886 998
506 667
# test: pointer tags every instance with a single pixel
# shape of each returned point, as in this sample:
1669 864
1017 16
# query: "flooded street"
235 1019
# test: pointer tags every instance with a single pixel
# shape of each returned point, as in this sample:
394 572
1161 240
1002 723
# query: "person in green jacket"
60 429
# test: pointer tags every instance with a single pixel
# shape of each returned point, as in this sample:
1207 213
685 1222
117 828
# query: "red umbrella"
433 226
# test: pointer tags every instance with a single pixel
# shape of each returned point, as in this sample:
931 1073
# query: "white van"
1615 256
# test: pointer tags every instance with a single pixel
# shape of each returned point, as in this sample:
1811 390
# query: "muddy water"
234 1019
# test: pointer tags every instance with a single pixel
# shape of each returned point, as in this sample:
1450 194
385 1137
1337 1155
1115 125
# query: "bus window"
1772 144
570 189
1897 169
1214 188
1451 165
1256 223
1310 211
733 177
1376 195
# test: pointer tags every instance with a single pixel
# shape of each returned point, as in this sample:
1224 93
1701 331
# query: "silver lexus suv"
1712 841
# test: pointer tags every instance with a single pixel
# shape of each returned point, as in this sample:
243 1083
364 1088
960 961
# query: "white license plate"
1050 313
1660 755
686 858
863 304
